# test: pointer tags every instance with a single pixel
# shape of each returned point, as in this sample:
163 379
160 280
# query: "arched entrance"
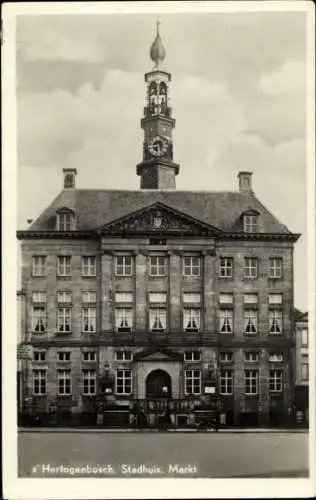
158 384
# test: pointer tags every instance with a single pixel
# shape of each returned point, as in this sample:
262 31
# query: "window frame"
248 269
250 316
41 380
64 313
124 358
251 357
88 266
124 266
63 353
303 377
190 380
89 382
194 314
223 355
127 316
250 223
190 266
161 269
228 380
62 224
42 317
274 381
125 380
93 360
63 270
251 371
275 312
89 293
191 359
65 379
228 314
89 315
40 268
159 313
39 352
224 267
273 268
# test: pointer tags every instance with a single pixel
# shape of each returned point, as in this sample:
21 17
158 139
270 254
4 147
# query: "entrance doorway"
158 384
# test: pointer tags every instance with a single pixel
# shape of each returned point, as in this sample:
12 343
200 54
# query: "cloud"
287 79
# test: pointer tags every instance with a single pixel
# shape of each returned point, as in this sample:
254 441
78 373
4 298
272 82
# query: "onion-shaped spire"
157 50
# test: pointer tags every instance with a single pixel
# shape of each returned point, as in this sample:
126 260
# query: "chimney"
245 184
69 178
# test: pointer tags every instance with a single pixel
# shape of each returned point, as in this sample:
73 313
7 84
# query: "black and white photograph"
159 203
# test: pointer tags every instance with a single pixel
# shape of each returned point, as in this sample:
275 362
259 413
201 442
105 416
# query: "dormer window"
250 222
65 220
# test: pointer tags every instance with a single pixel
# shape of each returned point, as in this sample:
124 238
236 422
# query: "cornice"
259 236
31 234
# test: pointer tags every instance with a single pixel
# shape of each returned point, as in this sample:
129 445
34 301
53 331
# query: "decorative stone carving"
158 219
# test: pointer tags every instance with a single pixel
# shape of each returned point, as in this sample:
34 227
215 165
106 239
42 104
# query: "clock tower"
157 170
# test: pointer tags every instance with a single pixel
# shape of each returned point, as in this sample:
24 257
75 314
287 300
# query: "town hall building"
158 294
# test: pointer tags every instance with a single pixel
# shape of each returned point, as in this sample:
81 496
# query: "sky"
237 93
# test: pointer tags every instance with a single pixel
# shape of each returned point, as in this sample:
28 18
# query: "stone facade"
209 340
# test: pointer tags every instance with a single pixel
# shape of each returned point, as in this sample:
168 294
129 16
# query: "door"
158 384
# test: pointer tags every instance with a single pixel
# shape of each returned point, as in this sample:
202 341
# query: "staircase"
116 418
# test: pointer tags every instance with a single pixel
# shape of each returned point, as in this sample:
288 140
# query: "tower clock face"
158 146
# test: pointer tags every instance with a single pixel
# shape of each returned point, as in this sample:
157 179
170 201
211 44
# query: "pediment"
158 355
158 219
64 210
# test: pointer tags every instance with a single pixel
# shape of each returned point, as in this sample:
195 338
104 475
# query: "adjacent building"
302 366
159 293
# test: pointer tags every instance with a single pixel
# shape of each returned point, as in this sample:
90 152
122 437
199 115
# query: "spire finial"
157 50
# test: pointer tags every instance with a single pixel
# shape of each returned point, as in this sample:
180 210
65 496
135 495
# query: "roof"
96 208
300 316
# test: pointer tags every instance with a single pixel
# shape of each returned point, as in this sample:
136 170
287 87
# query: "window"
64 265
123 319
64 297
89 356
124 297
276 357
123 356
157 266
275 298
157 297
157 319
191 298
250 223
123 265
89 297
251 381
39 265
275 321
39 297
226 357
304 372
304 337
64 319
192 356
39 356
226 298
226 267
251 357
191 320
39 382
191 266
250 298
226 320
89 266
251 267
88 319
89 382
226 381
63 382
63 356
275 267
250 321
39 319
65 221
275 380
123 382
192 381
